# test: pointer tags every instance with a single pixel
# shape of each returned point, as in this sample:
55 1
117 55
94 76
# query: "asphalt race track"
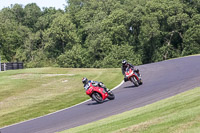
161 80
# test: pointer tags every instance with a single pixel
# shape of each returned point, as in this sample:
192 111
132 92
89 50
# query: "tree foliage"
91 33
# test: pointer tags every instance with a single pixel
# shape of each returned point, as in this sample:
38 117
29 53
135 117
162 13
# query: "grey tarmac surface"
161 80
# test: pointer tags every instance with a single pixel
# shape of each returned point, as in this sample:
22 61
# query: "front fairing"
130 73
89 91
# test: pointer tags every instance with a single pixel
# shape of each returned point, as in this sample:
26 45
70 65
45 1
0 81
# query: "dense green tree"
76 58
90 33
28 51
163 26
12 37
18 12
31 14
47 17
98 47
116 25
192 41
118 53
61 36
149 37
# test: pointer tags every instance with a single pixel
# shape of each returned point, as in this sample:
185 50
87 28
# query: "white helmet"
85 80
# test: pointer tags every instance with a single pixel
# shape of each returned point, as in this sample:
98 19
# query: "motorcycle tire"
97 97
141 82
111 96
135 81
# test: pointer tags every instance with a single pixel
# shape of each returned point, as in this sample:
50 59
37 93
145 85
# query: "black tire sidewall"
111 96
135 81
96 99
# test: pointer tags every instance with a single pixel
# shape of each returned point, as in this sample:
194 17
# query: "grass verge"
30 93
177 114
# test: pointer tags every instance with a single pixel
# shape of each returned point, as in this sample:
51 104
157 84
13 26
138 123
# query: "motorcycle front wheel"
134 81
111 96
97 97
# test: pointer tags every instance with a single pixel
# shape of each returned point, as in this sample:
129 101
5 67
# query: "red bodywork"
130 73
100 90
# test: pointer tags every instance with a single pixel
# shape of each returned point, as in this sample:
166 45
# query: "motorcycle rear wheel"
141 82
97 97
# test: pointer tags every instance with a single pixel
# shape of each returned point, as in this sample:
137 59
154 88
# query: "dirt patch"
24 76
21 76
140 126
52 75
186 126
64 81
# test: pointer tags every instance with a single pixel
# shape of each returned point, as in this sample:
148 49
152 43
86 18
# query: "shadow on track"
131 86
95 103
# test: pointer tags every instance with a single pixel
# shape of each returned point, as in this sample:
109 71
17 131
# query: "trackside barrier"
11 66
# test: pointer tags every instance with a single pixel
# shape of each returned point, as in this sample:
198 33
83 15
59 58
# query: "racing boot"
107 90
139 75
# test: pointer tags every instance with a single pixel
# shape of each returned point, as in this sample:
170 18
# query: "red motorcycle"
134 77
99 94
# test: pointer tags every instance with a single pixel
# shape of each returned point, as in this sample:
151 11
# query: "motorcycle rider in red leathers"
87 83
126 65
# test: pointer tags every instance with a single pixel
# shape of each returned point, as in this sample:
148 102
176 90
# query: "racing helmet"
124 62
85 80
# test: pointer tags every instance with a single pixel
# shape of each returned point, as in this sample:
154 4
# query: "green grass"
177 114
30 93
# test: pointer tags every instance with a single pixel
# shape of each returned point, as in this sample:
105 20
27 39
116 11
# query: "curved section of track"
161 80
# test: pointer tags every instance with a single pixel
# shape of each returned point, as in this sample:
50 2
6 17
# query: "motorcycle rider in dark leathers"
87 83
126 65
